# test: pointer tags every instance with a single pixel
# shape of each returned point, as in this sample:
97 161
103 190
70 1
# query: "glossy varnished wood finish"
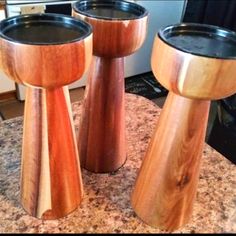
116 38
166 185
102 131
46 66
51 184
191 75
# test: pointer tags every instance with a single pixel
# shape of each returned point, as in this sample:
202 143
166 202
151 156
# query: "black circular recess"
110 9
44 29
201 39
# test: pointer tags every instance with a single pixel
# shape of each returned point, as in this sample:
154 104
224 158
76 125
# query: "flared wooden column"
101 139
166 186
51 184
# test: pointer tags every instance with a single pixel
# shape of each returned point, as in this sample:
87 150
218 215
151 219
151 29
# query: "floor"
12 108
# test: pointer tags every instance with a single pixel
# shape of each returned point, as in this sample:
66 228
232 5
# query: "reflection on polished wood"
46 66
51 183
193 76
102 132
166 185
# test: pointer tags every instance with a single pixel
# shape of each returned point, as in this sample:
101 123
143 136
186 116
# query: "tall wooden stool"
119 29
46 52
196 63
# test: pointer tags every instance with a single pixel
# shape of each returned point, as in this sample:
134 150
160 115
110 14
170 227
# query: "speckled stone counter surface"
106 204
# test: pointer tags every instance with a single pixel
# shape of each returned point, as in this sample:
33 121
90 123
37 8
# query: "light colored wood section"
116 38
31 152
193 76
46 66
167 182
166 185
44 197
102 130
51 184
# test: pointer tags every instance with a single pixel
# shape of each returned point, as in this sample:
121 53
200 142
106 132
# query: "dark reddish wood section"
66 182
102 130
116 38
50 163
102 133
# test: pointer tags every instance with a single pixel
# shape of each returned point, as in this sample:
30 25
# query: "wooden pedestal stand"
194 73
51 184
119 29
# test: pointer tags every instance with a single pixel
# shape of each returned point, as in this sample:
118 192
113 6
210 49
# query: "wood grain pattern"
51 183
166 186
46 66
102 130
193 76
116 38
167 182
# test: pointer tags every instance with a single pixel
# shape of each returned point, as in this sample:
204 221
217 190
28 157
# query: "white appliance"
162 13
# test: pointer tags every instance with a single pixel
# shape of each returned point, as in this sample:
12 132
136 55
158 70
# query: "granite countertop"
106 204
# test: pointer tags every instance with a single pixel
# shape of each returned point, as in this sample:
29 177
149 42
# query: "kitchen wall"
6 84
161 14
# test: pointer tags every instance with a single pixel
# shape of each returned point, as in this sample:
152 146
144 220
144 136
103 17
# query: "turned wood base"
167 182
51 184
102 130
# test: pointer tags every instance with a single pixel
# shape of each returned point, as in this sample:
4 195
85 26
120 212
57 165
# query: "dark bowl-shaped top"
45 50
44 29
110 9
196 60
201 39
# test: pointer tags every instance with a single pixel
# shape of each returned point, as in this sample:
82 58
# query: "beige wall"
5 83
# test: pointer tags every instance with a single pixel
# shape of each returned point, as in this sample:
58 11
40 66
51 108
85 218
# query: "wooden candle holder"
196 63
119 29
46 52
